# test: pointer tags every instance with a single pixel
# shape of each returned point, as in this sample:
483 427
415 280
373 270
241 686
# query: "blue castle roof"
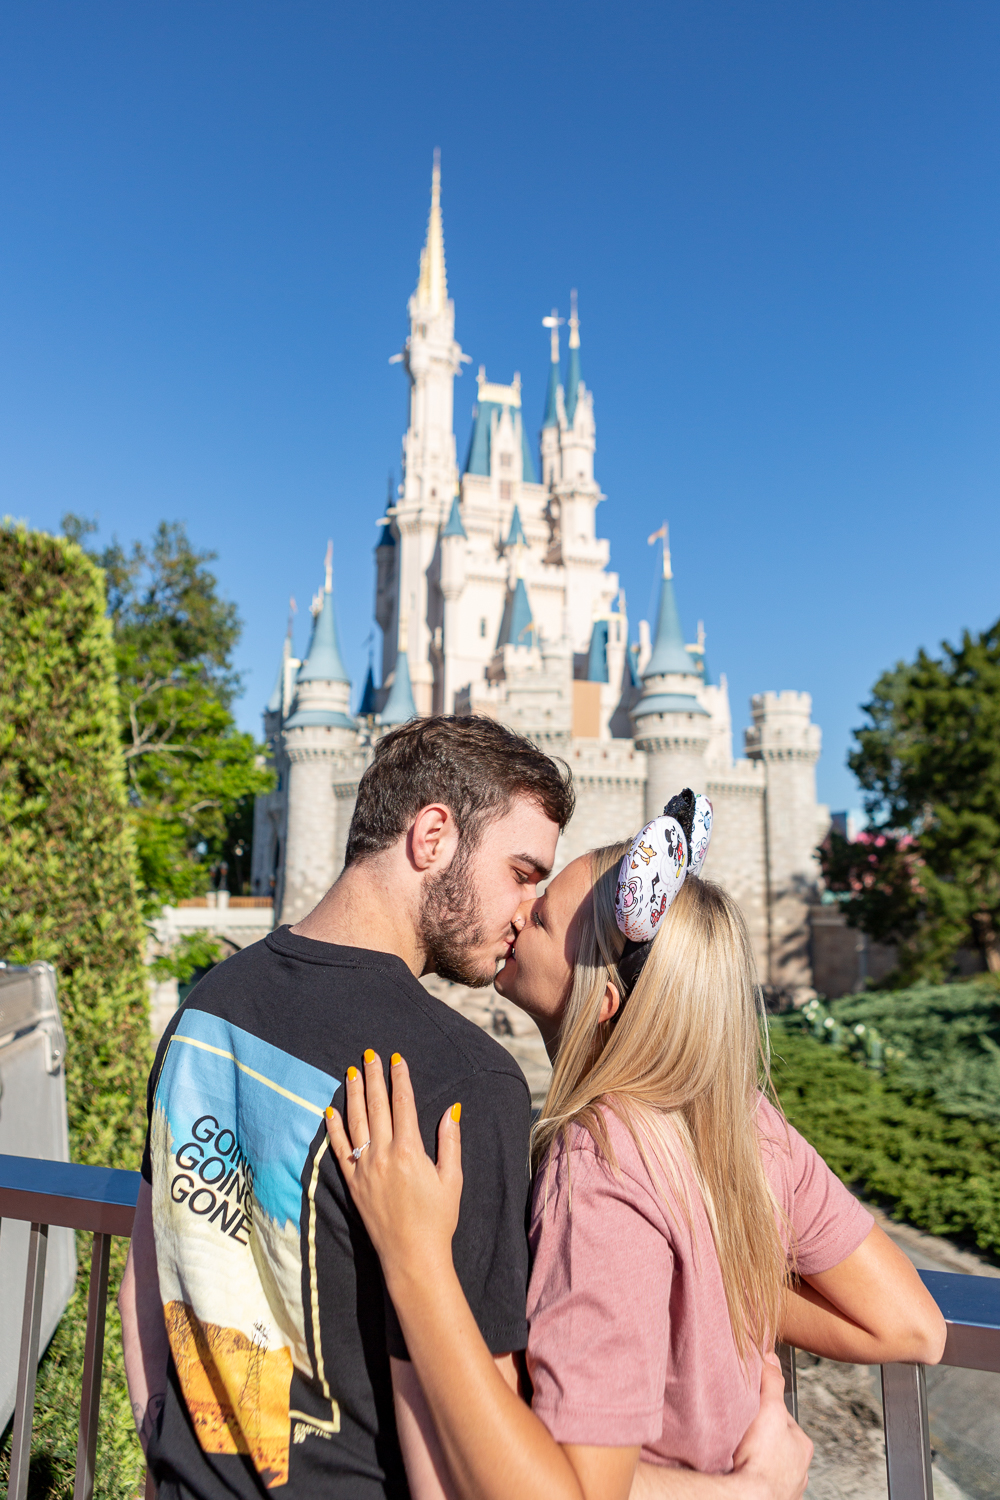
323 661
669 651
597 661
399 707
366 707
516 532
477 459
517 627
454 526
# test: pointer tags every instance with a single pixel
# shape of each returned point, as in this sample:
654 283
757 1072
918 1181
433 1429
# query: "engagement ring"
356 1153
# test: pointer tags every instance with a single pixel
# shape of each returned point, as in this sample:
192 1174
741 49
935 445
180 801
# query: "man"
260 1348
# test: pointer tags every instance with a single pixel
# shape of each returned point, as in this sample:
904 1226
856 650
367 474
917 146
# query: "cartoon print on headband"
628 895
658 861
701 833
645 852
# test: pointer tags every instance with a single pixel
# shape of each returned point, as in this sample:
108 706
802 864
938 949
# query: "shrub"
68 895
940 1172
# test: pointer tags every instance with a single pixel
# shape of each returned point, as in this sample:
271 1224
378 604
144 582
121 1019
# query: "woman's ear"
611 1004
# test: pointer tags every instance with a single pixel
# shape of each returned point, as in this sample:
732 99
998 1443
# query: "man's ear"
433 838
611 1004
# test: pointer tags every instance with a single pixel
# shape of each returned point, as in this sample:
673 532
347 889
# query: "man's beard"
451 924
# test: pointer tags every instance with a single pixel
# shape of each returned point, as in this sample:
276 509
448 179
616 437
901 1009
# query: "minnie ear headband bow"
658 862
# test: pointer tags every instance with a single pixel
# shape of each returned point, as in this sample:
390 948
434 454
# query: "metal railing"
102 1201
971 1309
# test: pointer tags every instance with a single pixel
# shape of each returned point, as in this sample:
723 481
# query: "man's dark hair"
474 765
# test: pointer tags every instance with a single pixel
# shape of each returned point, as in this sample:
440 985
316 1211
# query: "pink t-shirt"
629 1336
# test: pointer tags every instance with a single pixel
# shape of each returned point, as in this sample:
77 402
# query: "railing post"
27 1368
907 1437
93 1362
786 1356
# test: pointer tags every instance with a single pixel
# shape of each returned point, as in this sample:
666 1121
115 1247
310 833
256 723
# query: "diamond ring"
356 1153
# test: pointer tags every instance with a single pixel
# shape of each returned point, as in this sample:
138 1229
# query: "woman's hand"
408 1203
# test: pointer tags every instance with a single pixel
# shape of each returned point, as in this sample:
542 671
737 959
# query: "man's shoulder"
480 1052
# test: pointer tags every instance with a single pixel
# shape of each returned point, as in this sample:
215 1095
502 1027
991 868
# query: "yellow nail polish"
352 1073
369 1055
395 1059
329 1111
456 1112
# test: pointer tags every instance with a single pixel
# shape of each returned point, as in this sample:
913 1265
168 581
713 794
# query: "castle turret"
399 707
669 723
318 733
787 742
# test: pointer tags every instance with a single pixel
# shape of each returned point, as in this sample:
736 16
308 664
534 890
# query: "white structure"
494 596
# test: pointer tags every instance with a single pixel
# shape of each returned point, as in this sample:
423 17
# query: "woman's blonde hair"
690 1045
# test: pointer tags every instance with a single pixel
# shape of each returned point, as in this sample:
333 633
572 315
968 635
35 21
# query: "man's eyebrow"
541 871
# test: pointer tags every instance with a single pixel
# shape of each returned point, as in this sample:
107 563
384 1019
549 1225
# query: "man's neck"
363 909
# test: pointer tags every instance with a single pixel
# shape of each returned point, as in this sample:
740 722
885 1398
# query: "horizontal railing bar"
99 1199
970 1306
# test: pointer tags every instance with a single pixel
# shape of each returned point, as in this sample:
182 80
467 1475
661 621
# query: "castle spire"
669 651
551 418
432 286
323 661
573 372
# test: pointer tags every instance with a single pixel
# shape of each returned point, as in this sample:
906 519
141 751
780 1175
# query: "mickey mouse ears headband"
658 862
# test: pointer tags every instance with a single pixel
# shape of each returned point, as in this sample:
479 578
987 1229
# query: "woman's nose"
521 916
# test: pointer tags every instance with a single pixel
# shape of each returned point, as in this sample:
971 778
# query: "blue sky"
782 219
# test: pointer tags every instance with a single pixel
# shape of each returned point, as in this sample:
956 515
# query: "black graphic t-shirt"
279 1324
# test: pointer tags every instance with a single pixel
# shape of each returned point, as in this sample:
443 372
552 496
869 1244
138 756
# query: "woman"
678 1223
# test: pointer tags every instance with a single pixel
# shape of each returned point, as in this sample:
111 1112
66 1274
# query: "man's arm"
426 1468
144 1334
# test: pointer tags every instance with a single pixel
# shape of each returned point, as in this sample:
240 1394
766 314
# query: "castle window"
482 626
505 489
505 460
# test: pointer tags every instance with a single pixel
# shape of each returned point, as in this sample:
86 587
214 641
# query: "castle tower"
787 742
316 737
576 495
431 359
669 723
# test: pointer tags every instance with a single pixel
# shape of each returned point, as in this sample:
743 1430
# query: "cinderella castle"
494 596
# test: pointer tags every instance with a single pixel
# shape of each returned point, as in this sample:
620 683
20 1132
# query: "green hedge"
68 894
894 1143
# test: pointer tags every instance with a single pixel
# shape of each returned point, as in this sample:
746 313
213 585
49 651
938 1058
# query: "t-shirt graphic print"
237 1136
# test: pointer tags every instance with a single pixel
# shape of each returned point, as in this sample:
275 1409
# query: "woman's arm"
493 1444
871 1309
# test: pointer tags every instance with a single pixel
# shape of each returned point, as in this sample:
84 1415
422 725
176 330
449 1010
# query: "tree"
192 775
927 875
